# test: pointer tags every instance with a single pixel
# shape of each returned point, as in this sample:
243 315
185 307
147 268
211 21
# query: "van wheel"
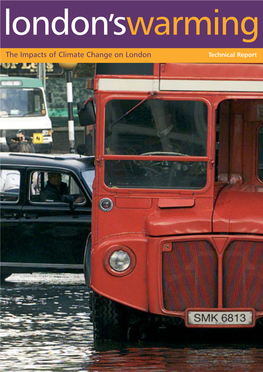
109 319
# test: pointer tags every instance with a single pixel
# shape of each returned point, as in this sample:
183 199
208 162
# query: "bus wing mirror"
86 112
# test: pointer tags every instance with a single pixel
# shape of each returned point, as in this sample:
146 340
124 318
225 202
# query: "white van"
23 107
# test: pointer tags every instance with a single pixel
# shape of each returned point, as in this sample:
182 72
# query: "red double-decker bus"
177 224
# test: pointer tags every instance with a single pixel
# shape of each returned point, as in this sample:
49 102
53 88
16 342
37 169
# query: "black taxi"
45 203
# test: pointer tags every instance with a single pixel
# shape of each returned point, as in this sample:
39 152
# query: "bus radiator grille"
189 276
243 275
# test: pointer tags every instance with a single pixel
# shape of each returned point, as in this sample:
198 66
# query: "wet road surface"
45 326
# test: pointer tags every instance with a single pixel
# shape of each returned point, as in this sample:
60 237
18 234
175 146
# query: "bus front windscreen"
21 102
163 128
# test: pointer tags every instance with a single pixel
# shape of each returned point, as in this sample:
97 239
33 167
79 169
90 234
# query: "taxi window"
52 186
9 185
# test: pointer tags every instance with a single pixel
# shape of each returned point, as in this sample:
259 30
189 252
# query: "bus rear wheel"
109 319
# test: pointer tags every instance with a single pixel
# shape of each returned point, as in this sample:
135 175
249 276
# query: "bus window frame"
170 96
257 153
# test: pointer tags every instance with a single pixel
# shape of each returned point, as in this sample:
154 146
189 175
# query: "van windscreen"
21 102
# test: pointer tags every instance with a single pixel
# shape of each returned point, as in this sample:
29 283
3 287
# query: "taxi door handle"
28 216
10 215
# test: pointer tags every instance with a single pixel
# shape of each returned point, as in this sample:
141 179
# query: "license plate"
37 138
220 318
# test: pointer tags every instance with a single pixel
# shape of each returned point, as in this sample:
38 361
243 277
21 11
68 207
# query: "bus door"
239 166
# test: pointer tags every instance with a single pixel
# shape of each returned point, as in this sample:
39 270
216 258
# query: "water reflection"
177 360
45 326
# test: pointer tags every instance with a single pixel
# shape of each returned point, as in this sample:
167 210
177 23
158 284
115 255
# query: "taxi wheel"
109 319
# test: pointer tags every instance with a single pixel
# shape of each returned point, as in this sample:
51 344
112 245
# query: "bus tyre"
109 319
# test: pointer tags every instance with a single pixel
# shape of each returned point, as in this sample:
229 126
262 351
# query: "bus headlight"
119 260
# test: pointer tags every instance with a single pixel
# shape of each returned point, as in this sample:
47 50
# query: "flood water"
45 326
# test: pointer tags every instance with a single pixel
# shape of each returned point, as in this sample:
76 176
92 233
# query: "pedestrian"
10 178
20 138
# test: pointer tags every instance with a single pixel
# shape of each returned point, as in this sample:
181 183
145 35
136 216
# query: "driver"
55 188
167 135
165 138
